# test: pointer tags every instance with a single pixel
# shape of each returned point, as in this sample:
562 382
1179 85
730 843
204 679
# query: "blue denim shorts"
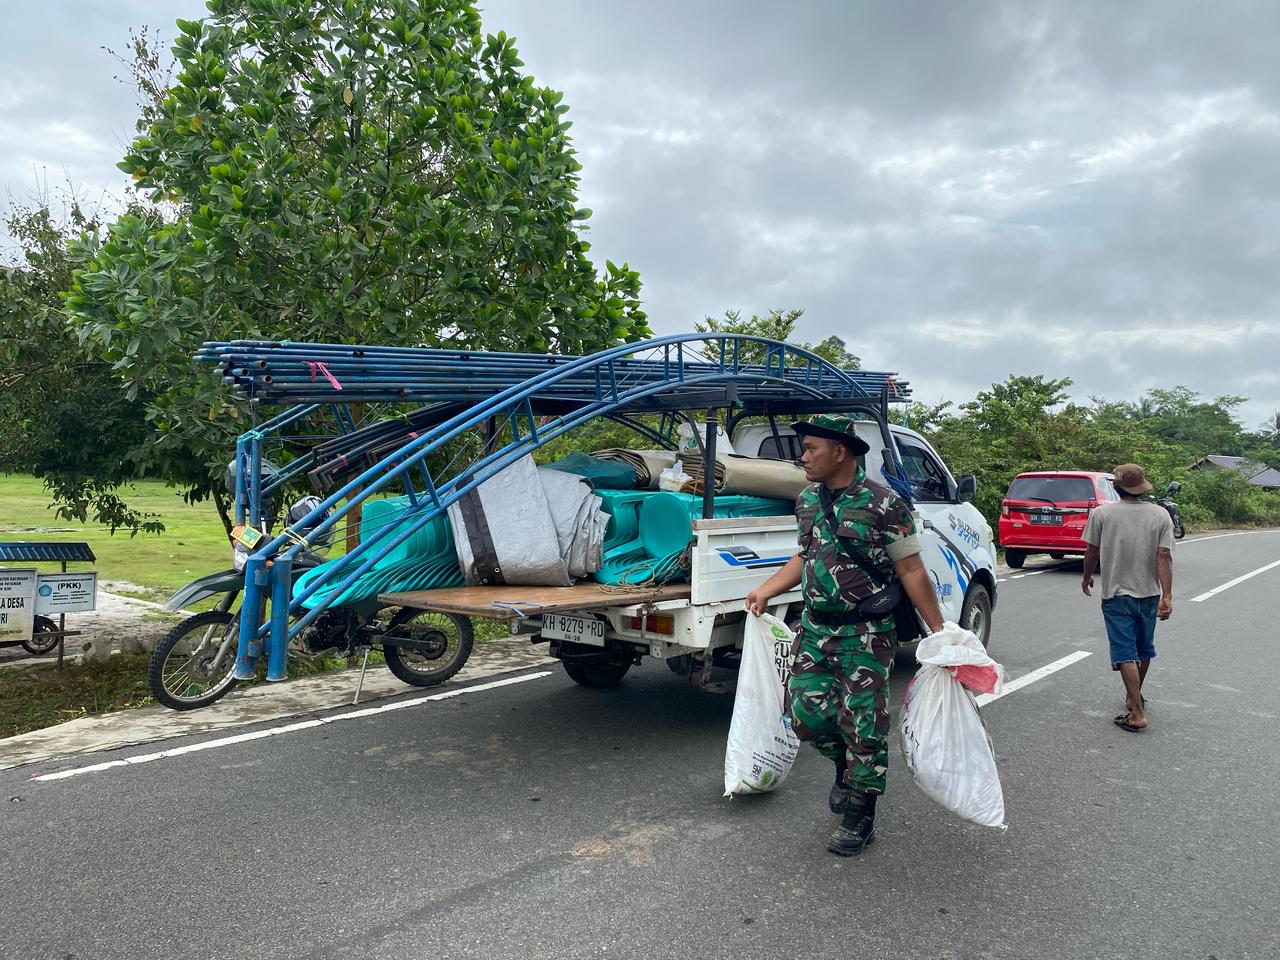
1131 628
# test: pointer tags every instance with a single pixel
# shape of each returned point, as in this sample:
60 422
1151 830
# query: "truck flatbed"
508 603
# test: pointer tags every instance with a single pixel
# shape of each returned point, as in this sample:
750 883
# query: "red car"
1045 512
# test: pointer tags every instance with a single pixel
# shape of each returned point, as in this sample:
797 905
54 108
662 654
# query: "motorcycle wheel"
451 638
40 643
179 675
1179 531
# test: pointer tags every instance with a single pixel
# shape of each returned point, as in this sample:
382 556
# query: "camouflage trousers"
838 698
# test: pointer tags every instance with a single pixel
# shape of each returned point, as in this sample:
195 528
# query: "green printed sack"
762 746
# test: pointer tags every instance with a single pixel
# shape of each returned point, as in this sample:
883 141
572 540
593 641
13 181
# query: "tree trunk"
220 501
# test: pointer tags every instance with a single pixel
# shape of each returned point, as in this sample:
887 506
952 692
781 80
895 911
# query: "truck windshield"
1052 489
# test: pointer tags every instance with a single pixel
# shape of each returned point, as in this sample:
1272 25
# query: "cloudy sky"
959 190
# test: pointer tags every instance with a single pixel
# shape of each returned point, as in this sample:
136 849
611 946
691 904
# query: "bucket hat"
832 426
1132 479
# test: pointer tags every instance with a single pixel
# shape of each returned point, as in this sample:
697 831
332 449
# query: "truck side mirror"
966 488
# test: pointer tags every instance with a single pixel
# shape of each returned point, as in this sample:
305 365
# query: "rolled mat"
602 474
647 464
754 476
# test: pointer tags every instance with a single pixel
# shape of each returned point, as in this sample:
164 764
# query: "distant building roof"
1257 474
1268 478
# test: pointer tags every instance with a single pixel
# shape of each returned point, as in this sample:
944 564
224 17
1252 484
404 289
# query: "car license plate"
579 629
1051 518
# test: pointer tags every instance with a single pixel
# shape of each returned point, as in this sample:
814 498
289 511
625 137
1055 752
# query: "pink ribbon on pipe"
315 365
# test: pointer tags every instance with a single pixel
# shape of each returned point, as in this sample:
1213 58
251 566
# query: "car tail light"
1004 509
653 623
1092 504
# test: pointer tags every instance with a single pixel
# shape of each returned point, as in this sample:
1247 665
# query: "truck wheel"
1015 558
591 671
975 615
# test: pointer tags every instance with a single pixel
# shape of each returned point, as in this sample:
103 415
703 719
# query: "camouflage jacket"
872 520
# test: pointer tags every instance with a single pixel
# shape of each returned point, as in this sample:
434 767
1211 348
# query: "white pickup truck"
600 632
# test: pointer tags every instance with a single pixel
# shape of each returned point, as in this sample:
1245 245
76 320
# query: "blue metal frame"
608 383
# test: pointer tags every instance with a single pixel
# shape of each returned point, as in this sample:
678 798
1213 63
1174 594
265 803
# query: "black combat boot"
858 828
839 792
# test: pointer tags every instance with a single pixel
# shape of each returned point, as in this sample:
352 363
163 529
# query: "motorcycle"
193 665
1166 501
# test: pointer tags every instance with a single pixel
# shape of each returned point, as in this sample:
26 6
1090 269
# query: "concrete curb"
258 704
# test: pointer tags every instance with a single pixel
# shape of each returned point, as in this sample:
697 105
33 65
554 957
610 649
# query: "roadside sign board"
67 592
17 603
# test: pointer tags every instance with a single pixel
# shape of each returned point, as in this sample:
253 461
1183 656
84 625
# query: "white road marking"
1219 536
1033 676
288 728
1231 583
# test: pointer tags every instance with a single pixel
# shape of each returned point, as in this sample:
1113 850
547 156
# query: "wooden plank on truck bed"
502 603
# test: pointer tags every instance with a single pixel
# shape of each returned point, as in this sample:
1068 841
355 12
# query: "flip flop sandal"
1124 724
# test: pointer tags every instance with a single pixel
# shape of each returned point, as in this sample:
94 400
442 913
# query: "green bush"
1224 494
1265 506
1194 515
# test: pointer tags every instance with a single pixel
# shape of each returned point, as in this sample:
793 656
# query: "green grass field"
192 545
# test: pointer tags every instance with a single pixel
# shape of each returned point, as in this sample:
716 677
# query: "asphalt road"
544 820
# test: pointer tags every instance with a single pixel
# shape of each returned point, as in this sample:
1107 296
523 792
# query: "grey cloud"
961 190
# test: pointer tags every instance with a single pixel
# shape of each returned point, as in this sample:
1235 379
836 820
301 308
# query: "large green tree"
340 170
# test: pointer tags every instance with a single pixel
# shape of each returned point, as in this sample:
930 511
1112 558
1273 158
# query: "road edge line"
287 728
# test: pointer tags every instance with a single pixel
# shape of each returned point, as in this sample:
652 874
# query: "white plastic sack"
687 444
944 740
762 746
673 478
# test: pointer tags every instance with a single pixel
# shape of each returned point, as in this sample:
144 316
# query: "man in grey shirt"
1135 540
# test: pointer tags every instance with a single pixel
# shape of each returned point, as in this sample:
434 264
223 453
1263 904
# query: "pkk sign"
17 603
67 592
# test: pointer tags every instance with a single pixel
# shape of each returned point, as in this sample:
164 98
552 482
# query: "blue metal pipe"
250 606
278 646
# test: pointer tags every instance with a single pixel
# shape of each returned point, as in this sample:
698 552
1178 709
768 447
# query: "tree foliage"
776 325
349 171
1026 423
66 419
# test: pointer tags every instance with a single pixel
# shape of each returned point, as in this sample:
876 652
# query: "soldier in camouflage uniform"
855 536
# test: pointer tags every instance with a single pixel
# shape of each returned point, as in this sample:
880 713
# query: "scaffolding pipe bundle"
294 372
